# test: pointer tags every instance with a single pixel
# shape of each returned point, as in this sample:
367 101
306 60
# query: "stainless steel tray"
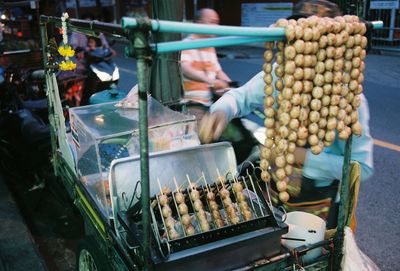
125 173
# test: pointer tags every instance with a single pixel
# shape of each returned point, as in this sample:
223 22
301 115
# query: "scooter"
102 72
24 136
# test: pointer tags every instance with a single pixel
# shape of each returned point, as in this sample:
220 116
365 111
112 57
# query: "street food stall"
153 197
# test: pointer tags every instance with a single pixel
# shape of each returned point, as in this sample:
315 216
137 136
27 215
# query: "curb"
18 251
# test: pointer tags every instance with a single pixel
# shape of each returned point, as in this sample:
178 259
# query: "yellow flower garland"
66 50
67 65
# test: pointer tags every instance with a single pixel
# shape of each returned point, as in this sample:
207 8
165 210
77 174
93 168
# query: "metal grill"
243 191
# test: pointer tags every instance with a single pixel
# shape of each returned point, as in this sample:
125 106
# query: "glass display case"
104 132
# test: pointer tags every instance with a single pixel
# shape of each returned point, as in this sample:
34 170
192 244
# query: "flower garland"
66 50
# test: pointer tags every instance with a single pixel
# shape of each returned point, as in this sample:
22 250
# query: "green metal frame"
137 32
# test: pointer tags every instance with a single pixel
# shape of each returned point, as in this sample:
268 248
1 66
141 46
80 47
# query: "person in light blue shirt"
320 173
323 168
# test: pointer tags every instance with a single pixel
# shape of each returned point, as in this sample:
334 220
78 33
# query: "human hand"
300 155
211 126
220 84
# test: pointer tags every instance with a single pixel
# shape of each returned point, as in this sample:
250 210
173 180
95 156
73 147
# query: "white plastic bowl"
306 226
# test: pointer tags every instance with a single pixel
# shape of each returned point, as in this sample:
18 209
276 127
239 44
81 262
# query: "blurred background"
19 18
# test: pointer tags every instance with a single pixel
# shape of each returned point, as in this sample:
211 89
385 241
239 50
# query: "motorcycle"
102 73
25 136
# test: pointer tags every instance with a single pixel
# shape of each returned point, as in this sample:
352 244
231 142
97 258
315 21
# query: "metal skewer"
191 201
258 199
160 208
177 206
208 205
248 194
236 198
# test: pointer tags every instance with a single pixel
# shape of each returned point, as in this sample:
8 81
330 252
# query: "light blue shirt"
323 168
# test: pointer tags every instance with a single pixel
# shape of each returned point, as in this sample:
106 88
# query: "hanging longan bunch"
269 112
311 103
330 88
323 87
319 73
340 82
304 73
284 85
282 132
356 74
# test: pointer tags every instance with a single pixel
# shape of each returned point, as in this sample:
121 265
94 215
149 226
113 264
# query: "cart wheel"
89 257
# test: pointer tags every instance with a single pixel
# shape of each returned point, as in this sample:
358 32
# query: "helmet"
321 8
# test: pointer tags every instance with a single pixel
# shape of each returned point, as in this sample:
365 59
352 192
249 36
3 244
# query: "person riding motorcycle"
204 81
102 72
203 77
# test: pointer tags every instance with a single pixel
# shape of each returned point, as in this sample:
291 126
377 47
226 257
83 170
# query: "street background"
39 227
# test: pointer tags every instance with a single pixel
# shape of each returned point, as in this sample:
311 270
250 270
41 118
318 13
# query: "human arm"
241 101
201 76
78 40
191 73
106 45
234 103
223 76
104 41
327 166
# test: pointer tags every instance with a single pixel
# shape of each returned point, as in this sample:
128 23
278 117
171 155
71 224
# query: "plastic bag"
353 258
131 100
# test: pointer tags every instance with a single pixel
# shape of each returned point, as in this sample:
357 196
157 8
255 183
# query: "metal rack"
260 213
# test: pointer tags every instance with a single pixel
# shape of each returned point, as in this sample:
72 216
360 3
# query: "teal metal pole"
220 30
344 194
140 49
173 46
377 24
144 152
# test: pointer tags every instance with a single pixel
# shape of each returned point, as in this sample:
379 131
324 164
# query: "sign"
380 4
264 14
88 3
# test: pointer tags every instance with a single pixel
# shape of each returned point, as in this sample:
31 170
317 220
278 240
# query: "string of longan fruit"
319 71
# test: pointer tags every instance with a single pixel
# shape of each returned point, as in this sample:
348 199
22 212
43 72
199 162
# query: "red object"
74 93
19 34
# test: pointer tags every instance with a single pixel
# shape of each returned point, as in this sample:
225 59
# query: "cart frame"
137 32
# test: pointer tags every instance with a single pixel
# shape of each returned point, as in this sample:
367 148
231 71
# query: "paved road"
378 220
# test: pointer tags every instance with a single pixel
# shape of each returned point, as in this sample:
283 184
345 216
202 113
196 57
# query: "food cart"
120 165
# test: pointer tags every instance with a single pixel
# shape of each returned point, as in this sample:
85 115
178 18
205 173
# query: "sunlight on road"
386 145
127 70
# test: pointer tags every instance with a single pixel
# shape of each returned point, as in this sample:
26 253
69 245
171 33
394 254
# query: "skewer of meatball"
167 214
226 201
213 205
183 211
198 206
244 207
